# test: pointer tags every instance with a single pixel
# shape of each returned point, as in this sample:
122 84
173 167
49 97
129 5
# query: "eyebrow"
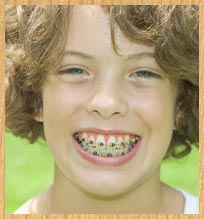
130 57
79 54
141 55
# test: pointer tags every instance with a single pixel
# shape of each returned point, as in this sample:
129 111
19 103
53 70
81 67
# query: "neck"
68 198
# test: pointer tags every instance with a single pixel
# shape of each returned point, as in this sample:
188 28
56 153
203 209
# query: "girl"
113 90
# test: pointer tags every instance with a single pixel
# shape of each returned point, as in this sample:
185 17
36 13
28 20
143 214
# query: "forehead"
90 29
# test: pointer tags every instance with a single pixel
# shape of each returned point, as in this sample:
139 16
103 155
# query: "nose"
107 101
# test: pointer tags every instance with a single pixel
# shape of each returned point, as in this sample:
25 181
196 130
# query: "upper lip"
106 131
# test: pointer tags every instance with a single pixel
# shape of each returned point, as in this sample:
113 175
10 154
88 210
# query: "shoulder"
191 203
36 205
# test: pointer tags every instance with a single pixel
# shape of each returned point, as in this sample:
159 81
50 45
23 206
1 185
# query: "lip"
105 132
106 161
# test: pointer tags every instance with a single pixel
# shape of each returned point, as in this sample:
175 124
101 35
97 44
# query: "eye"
74 71
145 74
72 74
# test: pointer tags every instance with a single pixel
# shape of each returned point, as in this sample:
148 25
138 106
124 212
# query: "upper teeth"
106 145
100 141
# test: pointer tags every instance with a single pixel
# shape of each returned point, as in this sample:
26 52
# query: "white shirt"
191 203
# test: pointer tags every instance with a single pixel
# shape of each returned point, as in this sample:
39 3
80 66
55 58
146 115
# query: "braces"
119 149
91 143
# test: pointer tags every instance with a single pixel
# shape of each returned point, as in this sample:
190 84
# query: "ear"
39 115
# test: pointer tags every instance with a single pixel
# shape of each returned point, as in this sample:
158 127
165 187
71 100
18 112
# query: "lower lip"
107 161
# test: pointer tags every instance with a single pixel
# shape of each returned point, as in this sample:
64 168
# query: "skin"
111 94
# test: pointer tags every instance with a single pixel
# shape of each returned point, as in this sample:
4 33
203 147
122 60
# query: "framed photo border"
200 3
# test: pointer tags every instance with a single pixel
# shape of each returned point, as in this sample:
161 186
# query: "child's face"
99 92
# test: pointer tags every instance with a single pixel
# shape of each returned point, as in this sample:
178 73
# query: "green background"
30 169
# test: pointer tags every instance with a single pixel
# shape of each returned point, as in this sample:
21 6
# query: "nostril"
107 110
107 106
105 114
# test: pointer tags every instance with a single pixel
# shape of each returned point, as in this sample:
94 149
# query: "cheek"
60 104
155 110
156 107
61 101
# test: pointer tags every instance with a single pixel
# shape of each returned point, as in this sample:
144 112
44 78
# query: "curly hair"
34 32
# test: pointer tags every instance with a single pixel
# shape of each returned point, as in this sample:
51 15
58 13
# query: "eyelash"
145 74
80 72
76 70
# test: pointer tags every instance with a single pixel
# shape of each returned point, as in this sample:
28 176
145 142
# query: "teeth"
120 140
77 136
98 146
111 142
84 137
91 141
119 149
100 141
111 145
127 138
133 140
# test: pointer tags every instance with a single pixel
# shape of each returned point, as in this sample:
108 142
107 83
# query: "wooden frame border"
201 100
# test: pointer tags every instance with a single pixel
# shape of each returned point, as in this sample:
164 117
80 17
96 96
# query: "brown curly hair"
34 32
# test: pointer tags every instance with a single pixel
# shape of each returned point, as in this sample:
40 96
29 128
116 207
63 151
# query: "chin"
108 194
106 190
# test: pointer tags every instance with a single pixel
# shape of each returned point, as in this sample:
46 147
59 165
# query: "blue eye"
74 71
145 74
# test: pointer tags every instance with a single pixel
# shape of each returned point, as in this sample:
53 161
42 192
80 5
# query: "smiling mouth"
106 145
